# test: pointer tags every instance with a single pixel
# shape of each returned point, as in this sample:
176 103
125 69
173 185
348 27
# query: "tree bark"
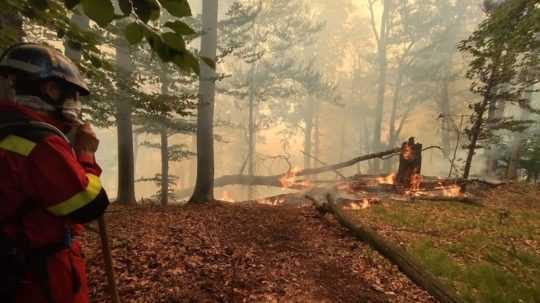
410 164
405 262
316 133
204 186
164 150
126 165
308 131
381 81
393 137
445 116
517 143
477 125
164 166
252 131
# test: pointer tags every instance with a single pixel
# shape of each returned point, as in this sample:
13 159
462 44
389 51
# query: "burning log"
405 262
278 180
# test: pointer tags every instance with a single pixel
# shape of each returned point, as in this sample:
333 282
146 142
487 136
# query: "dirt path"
241 253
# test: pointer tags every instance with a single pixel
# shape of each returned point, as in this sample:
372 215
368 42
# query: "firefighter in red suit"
49 184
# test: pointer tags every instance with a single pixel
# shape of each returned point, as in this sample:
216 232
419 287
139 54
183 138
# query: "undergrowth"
487 254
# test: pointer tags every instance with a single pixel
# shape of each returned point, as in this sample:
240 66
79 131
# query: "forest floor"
241 252
487 254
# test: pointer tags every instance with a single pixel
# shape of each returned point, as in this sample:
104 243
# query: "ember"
390 179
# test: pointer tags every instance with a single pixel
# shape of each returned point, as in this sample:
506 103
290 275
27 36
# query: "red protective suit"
46 174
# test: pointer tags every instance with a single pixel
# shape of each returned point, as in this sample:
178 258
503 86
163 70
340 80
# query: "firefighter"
49 185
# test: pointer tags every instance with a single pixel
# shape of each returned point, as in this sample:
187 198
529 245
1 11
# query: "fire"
452 190
390 179
416 181
290 179
226 196
356 206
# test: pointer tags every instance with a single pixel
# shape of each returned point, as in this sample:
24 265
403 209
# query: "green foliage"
504 63
101 11
177 8
180 28
138 13
134 32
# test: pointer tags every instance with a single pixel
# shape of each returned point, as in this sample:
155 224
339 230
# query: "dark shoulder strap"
17 124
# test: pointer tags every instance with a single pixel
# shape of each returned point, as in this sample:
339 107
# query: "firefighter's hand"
86 140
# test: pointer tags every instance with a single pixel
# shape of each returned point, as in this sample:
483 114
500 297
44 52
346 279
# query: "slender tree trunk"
317 133
445 118
126 167
517 143
164 166
192 169
252 131
164 150
495 114
393 137
308 132
381 82
477 125
204 186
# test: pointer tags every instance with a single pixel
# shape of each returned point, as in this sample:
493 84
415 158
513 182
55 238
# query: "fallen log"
405 262
275 180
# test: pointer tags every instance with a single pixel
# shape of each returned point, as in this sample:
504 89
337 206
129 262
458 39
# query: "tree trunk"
308 132
406 263
393 137
204 185
164 150
164 166
517 143
477 125
126 165
381 82
316 134
445 116
252 131
410 165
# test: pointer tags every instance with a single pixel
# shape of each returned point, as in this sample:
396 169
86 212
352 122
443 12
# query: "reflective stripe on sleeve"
17 145
78 200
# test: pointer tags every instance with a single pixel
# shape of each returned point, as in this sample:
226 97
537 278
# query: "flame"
390 179
290 179
416 181
356 206
226 196
452 190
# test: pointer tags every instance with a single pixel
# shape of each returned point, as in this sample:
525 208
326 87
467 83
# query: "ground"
487 254
242 252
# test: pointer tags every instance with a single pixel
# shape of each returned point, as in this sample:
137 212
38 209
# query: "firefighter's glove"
86 140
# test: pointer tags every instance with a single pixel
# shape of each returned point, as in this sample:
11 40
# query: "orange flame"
452 190
356 206
390 179
416 181
290 179
226 196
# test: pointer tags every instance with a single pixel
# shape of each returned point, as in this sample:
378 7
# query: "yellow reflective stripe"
78 200
17 145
